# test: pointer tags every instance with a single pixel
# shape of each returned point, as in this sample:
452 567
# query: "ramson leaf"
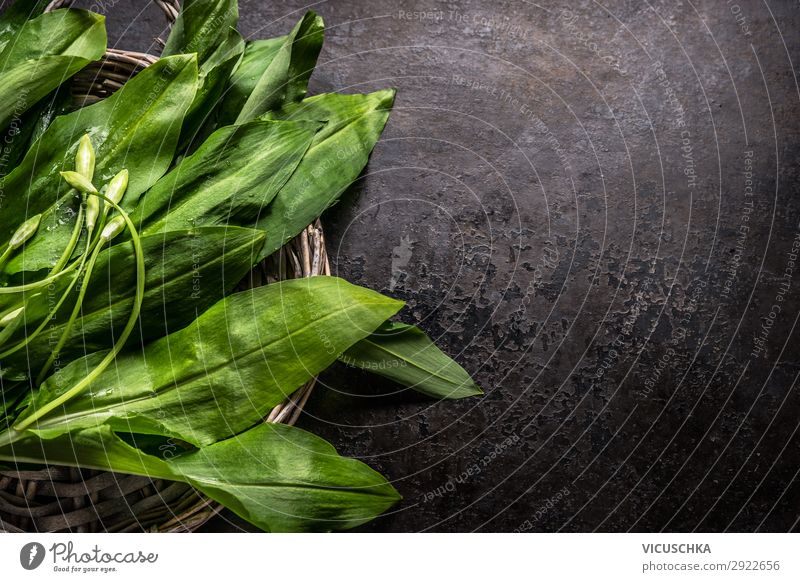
230 179
201 27
335 159
404 353
136 128
208 28
44 52
16 15
284 479
280 478
274 72
226 370
186 272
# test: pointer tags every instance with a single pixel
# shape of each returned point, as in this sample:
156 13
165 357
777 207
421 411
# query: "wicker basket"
64 499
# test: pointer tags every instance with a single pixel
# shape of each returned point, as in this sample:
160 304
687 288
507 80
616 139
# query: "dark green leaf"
279 478
25 130
226 370
230 179
406 355
214 75
16 15
136 128
284 479
187 271
335 159
258 54
208 28
285 72
45 52
201 27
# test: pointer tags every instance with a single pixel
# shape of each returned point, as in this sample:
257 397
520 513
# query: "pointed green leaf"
284 479
285 73
208 28
43 53
136 128
201 27
187 271
404 353
214 75
258 54
335 159
226 370
280 478
230 179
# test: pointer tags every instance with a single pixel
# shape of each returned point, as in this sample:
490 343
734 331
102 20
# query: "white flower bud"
84 159
116 187
10 317
115 226
79 182
26 230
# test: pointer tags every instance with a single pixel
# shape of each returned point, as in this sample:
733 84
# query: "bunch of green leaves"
120 324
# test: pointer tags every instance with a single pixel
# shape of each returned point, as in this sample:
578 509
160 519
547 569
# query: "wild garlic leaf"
404 353
335 159
224 372
230 179
136 128
208 28
187 271
214 74
284 73
201 26
284 479
257 56
16 15
278 477
45 52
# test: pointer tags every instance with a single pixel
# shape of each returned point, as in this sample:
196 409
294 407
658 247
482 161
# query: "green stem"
30 337
8 437
5 255
87 274
73 241
126 332
58 269
37 284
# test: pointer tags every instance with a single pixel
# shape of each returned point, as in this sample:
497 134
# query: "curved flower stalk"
114 194
94 210
22 235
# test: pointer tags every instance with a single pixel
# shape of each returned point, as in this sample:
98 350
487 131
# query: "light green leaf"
280 478
285 72
226 370
43 53
404 353
136 128
335 159
230 179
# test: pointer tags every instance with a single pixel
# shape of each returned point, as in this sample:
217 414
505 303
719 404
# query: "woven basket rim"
69 499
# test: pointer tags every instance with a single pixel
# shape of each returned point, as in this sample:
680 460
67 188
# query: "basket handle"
170 8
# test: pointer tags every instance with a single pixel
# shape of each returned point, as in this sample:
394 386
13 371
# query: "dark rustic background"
592 206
